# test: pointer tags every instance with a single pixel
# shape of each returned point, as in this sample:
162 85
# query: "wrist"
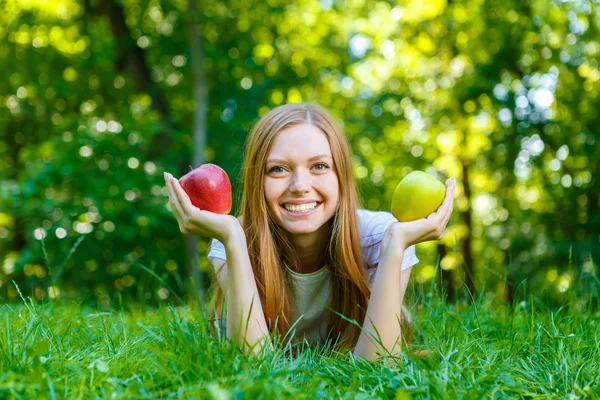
394 239
237 251
235 236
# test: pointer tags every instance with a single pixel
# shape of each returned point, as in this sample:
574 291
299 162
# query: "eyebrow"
274 160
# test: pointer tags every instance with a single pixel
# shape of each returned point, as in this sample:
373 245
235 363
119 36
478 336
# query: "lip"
301 215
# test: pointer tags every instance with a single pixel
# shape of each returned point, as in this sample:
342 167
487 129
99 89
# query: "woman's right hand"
193 221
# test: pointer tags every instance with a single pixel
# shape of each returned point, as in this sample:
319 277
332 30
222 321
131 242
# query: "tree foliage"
96 101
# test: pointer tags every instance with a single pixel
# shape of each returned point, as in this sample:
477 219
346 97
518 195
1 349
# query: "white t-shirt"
311 291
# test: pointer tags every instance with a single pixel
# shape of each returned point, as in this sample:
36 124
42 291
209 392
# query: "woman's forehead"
300 140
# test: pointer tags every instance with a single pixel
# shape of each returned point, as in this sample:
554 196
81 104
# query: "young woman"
304 254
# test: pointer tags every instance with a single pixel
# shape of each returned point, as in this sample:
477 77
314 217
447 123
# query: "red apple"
209 188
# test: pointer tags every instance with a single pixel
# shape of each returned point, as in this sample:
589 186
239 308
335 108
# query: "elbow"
369 351
250 345
365 355
375 349
372 354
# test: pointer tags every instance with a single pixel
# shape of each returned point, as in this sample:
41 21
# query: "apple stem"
191 169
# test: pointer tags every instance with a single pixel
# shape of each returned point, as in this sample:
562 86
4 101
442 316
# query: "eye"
278 168
274 169
325 166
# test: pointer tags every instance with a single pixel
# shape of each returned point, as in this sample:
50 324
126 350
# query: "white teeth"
301 208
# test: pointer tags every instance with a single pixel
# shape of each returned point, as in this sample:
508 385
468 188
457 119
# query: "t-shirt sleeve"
216 253
371 227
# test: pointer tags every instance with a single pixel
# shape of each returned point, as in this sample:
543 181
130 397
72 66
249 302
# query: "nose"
300 182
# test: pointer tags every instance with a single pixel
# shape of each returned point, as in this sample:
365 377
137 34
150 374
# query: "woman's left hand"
405 234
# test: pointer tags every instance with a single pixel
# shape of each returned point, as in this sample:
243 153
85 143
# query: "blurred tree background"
99 97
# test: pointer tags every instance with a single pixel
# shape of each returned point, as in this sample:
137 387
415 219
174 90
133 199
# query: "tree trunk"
199 131
132 58
466 244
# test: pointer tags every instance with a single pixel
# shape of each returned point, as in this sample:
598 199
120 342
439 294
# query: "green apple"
416 196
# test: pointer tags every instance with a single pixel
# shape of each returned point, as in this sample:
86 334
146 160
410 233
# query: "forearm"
382 321
245 317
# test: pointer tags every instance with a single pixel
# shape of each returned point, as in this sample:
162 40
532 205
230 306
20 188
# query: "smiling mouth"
301 210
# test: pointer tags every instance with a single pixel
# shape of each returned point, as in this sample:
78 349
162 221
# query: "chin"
299 226
300 230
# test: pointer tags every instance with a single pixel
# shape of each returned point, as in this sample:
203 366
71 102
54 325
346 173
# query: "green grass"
479 351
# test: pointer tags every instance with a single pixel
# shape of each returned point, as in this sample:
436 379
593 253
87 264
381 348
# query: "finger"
449 202
176 210
174 200
182 197
449 197
170 193
444 212
446 207
450 185
166 176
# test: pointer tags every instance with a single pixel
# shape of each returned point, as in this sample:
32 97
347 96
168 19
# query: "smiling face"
300 182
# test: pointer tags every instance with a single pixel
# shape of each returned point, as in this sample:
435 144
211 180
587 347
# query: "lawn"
69 351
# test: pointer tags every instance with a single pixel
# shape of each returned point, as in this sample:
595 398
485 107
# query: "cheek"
272 192
331 187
